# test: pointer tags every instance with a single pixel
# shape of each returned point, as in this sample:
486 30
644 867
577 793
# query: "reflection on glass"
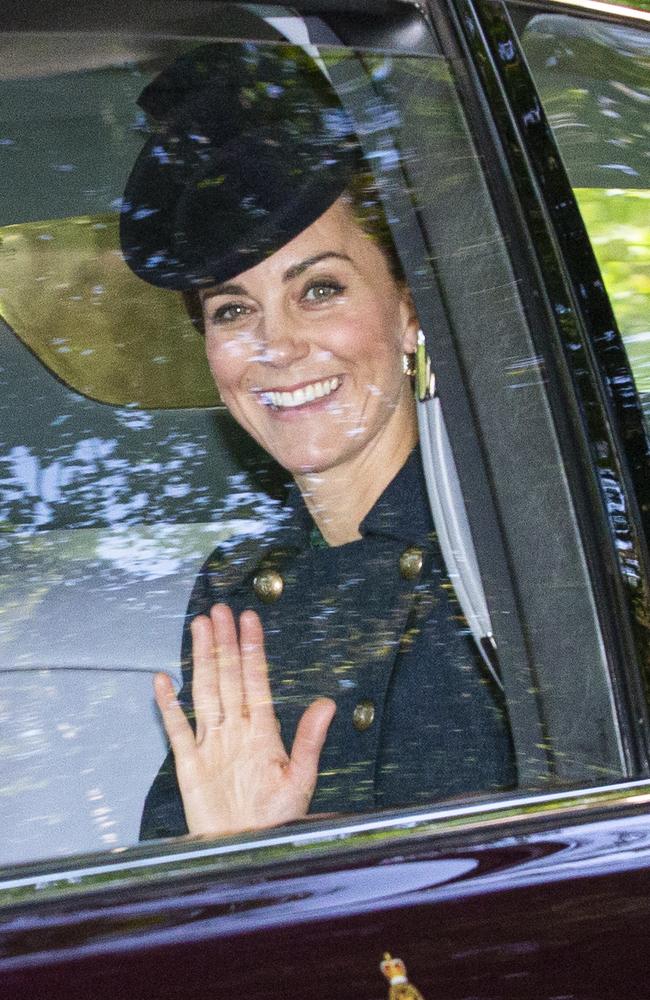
594 78
618 221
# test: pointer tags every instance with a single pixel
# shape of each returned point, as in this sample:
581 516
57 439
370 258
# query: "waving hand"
234 773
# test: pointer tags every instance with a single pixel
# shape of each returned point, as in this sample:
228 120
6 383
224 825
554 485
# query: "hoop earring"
425 379
408 364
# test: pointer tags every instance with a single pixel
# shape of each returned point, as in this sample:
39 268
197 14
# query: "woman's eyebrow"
291 273
229 289
297 269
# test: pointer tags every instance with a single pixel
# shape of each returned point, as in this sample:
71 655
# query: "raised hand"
235 773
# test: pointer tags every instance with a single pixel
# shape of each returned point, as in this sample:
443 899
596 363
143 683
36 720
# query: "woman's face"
306 349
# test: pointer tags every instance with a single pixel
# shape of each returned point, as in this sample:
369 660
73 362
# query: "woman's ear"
410 323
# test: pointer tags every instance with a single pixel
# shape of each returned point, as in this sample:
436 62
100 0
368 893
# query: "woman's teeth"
306 394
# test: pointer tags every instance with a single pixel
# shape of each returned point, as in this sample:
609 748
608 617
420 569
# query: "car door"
120 473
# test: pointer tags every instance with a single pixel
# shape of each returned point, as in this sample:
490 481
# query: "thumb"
309 740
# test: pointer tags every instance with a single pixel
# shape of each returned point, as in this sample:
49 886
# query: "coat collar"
402 511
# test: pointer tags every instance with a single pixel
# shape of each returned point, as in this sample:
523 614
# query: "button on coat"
363 715
411 562
268 585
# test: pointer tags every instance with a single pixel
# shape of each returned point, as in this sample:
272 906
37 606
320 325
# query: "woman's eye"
321 291
230 312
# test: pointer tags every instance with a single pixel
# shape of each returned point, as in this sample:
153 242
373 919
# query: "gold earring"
408 364
425 379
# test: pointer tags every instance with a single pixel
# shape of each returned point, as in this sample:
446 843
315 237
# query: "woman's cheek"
373 325
350 339
227 356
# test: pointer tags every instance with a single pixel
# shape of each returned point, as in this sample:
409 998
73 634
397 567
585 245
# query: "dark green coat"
355 624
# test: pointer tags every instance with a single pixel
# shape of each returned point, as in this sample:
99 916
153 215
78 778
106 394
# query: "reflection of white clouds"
134 419
24 468
154 551
148 555
622 167
94 483
374 888
42 514
30 478
94 449
51 482
176 490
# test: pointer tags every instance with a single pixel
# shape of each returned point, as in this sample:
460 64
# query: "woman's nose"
283 342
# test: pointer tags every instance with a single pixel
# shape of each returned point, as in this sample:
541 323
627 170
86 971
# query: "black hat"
251 146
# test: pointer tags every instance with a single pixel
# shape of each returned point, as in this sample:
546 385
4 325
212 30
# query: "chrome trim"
94 872
588 6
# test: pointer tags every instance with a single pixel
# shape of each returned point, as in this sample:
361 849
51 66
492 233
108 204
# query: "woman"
327 671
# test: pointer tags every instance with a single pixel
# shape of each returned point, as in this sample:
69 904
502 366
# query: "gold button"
363 715
410 563
268 585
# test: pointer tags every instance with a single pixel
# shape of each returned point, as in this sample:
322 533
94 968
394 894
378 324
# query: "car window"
592 77
126 485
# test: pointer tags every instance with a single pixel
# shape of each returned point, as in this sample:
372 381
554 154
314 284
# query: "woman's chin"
306 466
303 461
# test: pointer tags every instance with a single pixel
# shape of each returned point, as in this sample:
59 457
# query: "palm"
235 773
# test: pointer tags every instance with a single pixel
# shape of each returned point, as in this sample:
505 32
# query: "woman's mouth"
285 399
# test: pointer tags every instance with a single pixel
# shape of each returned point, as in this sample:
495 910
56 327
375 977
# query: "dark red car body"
539 906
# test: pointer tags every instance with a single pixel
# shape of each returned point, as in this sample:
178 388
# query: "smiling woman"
308 680
307 350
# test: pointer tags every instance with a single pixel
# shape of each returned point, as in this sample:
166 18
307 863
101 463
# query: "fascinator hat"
249 147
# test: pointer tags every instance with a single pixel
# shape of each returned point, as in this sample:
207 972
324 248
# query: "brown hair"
364 199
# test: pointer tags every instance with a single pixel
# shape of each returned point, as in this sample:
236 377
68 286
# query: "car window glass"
593 77
118 478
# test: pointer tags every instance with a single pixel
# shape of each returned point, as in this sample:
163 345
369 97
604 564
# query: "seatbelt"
454 535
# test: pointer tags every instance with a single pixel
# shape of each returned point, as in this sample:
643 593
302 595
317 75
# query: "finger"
208 708
179 732
309 740
226 648
255 673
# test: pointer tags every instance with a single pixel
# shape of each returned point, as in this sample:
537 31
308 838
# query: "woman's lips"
310 392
